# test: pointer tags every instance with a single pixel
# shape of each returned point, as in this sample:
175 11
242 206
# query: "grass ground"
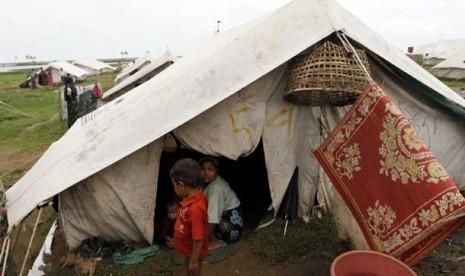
452 83
20 140
29 121
11 81
271 246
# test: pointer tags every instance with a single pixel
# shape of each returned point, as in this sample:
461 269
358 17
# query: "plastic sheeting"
289 132
116 203
232 128
212 73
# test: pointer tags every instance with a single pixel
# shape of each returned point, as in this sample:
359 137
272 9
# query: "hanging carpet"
402 198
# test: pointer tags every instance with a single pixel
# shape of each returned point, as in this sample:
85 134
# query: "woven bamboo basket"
328 75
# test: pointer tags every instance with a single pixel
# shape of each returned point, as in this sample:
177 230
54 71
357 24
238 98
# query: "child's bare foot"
216 244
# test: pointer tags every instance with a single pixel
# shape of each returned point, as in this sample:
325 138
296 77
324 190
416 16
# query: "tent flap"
116 203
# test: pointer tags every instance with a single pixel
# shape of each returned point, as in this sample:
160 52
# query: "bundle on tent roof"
328 75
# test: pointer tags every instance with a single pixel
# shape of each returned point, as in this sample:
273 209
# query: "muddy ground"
447 259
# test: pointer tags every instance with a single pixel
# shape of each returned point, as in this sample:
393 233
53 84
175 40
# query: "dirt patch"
447 259
11 159
243 262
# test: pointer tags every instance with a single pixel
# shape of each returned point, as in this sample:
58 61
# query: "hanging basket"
328 75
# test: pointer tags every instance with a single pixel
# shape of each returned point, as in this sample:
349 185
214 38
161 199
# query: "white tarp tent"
93 66
434 53
453 67
135 66
114 152
145 73
61 68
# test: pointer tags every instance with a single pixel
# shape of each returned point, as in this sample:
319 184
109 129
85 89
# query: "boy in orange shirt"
191 227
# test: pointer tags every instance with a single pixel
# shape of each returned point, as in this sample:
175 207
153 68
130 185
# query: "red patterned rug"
402 198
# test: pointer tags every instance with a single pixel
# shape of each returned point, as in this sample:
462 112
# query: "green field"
452 83
11 81
29 120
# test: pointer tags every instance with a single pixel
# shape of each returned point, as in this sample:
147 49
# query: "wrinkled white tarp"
208 76
233 127
116 203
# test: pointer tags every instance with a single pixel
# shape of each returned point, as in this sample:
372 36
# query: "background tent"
60 68
135 66
93 66
453 67
434 53
145 73
113 154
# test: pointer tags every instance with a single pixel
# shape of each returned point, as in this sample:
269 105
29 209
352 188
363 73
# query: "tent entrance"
247 176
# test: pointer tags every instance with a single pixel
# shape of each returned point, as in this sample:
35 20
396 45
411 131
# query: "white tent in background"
144 74
60 68
135 66
434 53
453 67
222 99
93 66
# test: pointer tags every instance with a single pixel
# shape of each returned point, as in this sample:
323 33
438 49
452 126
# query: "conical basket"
327 76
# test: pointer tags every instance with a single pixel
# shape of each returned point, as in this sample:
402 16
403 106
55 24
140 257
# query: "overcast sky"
71 29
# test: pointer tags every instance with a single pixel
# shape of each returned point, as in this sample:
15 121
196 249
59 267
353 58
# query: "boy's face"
172 211
208 172
179 188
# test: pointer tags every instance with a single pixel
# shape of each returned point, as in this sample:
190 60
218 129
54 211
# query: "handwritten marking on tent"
235 128
285 115
92 116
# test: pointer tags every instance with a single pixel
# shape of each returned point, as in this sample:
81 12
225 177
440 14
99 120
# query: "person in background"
42 77
49 76
32 75
71 99
191 227
224 212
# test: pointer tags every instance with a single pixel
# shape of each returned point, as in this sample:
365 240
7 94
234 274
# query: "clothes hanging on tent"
97 91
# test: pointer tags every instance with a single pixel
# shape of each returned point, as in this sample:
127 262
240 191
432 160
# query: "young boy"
168 225
191 227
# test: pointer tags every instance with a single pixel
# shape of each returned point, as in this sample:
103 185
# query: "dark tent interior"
247 176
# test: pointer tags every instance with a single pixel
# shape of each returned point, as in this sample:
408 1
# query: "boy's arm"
196 247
